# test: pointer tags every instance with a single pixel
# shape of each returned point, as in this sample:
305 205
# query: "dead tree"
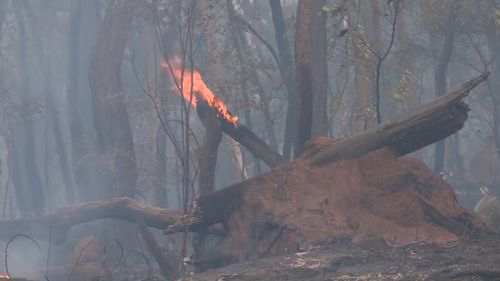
208 150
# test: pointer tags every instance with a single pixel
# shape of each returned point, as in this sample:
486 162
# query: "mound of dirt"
376 199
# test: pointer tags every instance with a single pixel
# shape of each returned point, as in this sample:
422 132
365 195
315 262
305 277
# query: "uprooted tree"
355 188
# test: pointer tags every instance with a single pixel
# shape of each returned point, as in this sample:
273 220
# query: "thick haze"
64 131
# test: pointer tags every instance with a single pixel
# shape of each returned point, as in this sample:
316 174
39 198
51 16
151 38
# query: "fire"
200 90
4 277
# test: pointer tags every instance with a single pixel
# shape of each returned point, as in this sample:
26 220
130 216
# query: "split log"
247 138
58 223
412 131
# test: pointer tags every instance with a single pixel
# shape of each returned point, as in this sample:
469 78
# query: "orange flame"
200 90
4 277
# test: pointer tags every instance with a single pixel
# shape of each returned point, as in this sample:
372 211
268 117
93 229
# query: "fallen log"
57 223
254 144
412 131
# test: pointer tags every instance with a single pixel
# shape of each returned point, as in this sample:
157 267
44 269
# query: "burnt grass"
470 259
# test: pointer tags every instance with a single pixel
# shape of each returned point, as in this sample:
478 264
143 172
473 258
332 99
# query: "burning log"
194 90
412 131
245 137
254 144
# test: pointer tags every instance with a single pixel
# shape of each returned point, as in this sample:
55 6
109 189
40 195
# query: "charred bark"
208 150
310 66
244 136
254 144
432 122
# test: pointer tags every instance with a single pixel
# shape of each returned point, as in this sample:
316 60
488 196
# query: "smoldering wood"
247 138
410 132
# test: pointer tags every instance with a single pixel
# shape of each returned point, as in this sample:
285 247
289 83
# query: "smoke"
25 259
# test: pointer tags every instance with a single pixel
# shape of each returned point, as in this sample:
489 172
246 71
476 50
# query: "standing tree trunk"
440 77
311 71
32 186
493 40
77 135
208 150
110 114
53 120
319 71
287 71
243 74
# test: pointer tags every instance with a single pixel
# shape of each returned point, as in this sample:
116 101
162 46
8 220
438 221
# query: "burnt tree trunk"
208 150
254 144
244 136
319 68
110 114
311 71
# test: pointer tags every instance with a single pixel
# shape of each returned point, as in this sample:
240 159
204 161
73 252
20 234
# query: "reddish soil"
373 201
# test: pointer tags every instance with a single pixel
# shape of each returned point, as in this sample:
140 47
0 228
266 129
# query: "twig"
142 252
405 246
380 60
278 236
252 30
122 255
78 258
48 255
148 263
7 248
7 184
